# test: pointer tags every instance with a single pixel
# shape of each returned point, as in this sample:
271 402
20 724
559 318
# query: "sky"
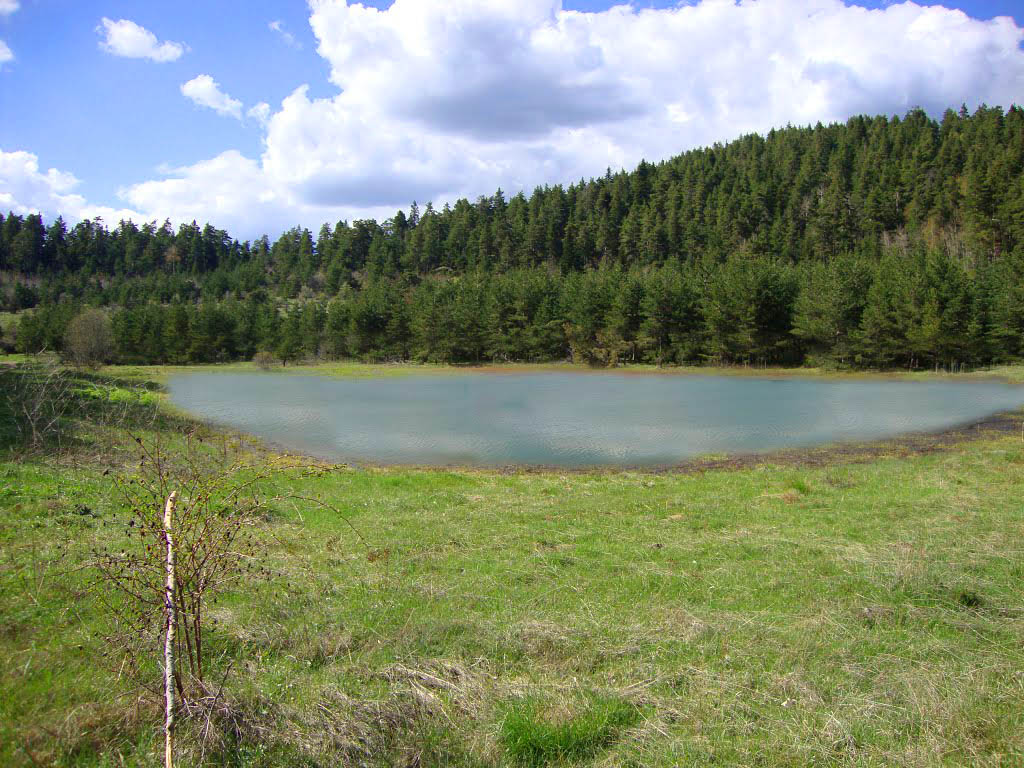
257 116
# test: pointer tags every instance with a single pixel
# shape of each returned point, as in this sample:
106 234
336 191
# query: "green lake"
575 419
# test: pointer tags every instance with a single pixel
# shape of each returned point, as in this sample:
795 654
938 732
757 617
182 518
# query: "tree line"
880 242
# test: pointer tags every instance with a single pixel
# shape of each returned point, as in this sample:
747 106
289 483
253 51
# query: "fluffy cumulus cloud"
204 91
236 192
441 99
7 7
234 189
128 39
6 54
568 91
25 189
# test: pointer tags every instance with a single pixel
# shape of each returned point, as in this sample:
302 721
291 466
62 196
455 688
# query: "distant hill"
878 242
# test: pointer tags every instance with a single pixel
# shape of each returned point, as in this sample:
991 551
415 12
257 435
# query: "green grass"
865 614
160 374
531 738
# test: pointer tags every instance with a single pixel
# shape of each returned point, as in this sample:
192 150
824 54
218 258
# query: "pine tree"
290 344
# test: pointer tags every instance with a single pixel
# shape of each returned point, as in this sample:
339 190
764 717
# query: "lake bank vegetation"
880 243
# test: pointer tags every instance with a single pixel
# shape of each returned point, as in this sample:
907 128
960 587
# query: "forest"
884 242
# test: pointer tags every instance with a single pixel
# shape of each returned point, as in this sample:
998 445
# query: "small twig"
169 640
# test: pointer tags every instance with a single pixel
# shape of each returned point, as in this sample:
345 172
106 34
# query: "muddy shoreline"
913 444
816 457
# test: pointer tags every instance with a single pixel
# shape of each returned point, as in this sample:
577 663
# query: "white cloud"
329 155
234 188
288 37
442 99
7 7
457 98
259 112
204 91
128 39
230 191
25 189
6 54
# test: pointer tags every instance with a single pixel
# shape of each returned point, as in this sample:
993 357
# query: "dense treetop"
878 242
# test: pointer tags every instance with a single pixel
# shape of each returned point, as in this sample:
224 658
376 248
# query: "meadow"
867 610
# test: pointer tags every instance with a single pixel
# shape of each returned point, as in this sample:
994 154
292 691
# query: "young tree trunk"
169 638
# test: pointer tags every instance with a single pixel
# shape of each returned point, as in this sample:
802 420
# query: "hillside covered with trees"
881 242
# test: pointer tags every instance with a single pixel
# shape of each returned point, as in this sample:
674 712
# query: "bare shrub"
38 397
217 509
214 547
265 360
89 342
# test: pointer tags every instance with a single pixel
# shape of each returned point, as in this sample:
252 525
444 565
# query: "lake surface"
574 419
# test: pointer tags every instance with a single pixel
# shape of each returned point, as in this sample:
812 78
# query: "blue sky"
115 119
433 100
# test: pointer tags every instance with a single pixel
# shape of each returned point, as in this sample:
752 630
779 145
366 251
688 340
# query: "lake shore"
1013 374
848 450
1000 424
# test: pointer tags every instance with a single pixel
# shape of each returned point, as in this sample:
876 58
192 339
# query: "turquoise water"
574 419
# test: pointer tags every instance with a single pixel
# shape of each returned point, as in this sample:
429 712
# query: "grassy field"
857 614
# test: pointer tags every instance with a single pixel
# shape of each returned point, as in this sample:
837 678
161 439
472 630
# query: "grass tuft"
533 737
800 485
